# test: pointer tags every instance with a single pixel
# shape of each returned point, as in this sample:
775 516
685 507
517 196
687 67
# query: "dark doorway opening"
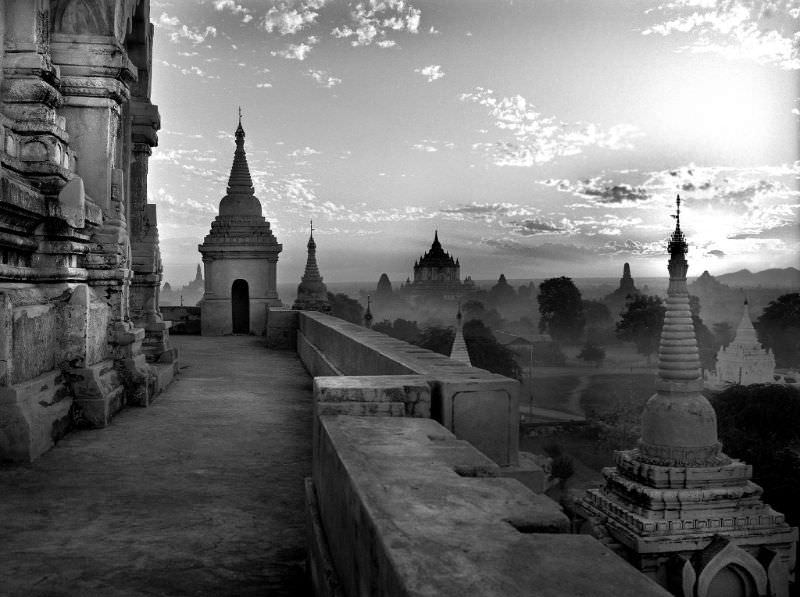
240 307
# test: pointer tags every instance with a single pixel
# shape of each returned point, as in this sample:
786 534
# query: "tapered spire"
240 199
312 294
679 426
311 273
459 351
368 315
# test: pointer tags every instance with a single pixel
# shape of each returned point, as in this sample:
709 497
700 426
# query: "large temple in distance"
437 275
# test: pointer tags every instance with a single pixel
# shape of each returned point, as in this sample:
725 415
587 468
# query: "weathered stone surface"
281 328
478 406
34 415
99 393
400 520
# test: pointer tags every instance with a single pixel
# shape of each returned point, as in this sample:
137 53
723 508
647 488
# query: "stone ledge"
478 406
400 520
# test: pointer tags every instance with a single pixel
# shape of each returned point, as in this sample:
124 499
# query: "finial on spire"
677 242
368 314
311 222
240 116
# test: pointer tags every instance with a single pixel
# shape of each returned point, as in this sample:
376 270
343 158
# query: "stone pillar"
96 76
30 96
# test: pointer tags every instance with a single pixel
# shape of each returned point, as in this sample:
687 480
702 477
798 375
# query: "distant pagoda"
744 361
617 299
677 507
312 294
240 255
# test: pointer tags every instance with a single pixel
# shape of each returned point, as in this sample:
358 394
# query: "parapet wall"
475 405
399 507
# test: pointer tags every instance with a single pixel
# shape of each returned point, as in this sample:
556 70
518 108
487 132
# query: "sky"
539 137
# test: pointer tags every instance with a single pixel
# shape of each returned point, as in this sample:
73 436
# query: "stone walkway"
200 494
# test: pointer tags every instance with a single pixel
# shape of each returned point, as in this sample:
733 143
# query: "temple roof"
436 256
240 199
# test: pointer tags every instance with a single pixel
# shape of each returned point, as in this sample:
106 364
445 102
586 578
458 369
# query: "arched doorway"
240 307
732 581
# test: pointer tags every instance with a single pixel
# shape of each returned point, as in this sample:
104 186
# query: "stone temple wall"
81 334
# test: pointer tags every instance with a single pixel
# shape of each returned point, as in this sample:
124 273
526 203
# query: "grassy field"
602 395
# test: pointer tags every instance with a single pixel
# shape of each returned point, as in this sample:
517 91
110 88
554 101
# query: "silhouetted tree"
402 329
561 310
760 424
473 309
346 308
593 354
723 332
487 353
641 322
778 328
437 339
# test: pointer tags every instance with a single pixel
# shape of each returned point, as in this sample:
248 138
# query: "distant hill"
769 278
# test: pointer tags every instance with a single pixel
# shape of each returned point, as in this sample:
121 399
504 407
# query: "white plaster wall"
215 312
258 273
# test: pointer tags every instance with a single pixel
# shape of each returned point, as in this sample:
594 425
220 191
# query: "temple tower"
677 507
617 299
743 361
240 256
312 294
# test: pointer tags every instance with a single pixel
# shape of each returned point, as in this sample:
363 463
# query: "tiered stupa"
312 294
459 352
677 507
744 361
240 255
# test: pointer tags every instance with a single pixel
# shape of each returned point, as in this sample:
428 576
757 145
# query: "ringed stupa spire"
677 507
240 198
312 294
679 425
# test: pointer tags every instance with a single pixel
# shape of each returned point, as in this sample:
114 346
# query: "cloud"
297 51
191 70
716 253
555 252
601 190
764 31
432 72
304 152
263 85
235 8
322 78
178 31
431 146
537 139
538 226
372 20
288 17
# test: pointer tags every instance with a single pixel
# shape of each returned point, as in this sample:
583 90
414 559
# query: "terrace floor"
199 494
